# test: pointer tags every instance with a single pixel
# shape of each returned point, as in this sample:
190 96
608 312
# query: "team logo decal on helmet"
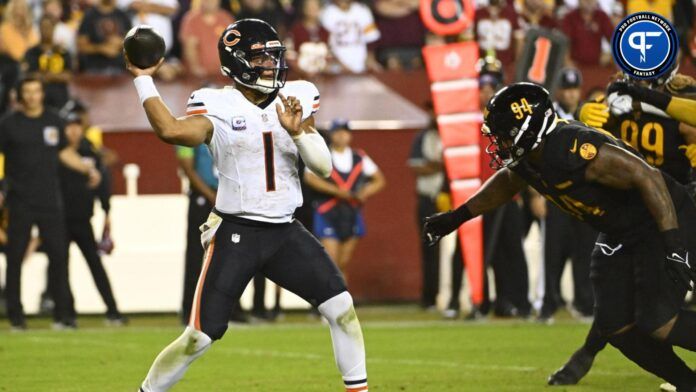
231 38
516 120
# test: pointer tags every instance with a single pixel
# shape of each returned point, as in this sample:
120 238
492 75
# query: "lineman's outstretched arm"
498 190
616 168
185 131
680 109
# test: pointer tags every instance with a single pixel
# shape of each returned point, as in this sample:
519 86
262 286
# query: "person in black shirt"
79 196
34 144
52 64
100 39
640 267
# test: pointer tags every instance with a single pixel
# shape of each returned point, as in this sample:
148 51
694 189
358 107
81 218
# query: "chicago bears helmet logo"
231 38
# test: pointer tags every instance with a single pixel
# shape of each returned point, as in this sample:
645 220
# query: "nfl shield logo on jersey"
236 237
238 123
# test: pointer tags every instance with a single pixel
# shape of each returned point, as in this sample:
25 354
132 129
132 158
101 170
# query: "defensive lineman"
640 266
254 134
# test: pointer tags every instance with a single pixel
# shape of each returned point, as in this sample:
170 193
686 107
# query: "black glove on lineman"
643 94
439 225
677 260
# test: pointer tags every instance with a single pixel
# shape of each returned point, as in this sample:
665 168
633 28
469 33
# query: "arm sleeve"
315 153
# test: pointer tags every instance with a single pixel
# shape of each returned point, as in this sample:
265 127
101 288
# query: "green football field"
406 351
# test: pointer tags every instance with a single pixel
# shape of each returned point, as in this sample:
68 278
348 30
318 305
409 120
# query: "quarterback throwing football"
255 132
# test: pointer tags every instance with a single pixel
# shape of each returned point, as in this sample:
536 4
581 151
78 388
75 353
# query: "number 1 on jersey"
269 161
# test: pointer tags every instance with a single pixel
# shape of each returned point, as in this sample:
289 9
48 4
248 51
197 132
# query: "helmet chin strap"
545 131
259 87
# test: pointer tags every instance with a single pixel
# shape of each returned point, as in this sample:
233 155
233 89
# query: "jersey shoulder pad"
573 145
207 101
306 92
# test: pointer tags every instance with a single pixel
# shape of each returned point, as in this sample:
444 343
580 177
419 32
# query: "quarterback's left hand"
679 267
290 114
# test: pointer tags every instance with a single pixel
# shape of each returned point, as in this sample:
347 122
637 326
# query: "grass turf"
407 351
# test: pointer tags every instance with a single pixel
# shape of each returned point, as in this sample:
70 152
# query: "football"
144 47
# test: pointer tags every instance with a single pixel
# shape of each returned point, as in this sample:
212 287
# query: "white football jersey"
255 156
350 32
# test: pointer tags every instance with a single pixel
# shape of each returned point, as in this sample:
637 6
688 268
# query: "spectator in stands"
78 196
308 43
402 34
198 29
267 10
564 237
351 28
425 161
17 35
100 39
33 141
338 219
497 30
585 28
661 7
52 64
536 14
156 13
613 8
64 34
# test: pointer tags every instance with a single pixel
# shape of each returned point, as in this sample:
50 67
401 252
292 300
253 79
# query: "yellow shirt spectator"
662 7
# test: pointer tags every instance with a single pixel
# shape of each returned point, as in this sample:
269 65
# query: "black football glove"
642 94
439 225
679 268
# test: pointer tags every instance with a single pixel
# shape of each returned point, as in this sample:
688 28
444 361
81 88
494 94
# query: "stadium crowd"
60 38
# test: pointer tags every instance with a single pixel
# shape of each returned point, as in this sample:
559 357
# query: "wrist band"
463 214
146 88
672 239
656 98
